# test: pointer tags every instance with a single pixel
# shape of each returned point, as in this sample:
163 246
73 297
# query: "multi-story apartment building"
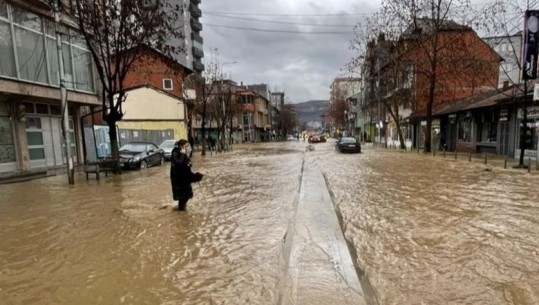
343 89
193 42
30 112
509 48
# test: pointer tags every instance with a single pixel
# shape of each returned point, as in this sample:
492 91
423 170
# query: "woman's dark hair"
181 143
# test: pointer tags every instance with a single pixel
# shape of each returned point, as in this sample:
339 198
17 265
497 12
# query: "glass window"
36 153
68 67
3 9
31 55
50 28
26 19
7 60
465 130
52 56
55 110
33 123
42 108
531 137
34 138
29 108
83 69
489 132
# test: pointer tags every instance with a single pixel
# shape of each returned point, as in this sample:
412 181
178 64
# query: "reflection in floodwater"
427 231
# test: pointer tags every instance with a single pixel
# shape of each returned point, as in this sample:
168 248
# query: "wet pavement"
424 230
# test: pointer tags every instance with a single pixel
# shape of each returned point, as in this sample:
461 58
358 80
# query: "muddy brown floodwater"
118 241
435 231
426 231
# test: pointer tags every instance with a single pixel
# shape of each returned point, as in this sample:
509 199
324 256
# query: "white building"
193 42
30 113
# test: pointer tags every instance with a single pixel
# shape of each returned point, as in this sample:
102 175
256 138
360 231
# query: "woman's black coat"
181 175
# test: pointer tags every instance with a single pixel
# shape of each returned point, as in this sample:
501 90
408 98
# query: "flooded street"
426 231
438 231
120 241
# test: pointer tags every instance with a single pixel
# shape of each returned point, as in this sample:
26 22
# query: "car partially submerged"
167 146
348 145
140 155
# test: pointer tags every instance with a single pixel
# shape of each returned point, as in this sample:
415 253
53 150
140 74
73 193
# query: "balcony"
195 1
198 53
197 38
195 11
198 66
196 26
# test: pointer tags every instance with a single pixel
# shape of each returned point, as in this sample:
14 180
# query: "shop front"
531 133
8 155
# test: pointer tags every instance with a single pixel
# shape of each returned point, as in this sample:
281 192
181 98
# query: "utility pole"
63 95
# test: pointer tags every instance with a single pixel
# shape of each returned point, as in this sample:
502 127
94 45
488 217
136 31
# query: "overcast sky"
301 65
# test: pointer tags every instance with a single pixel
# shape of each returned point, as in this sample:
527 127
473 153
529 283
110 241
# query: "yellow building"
150 109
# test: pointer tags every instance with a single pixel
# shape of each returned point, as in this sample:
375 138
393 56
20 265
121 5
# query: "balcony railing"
198 66
196 26
195 11
198 53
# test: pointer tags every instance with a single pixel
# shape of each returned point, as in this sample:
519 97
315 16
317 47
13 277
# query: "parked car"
316 138
348 144
141 155
167 147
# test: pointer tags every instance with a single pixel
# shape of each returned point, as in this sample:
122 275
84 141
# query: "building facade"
193 43
155 96
30 112
509 48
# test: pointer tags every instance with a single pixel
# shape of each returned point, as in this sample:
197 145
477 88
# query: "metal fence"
139 135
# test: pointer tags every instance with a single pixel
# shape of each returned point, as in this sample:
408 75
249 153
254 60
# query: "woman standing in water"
181 175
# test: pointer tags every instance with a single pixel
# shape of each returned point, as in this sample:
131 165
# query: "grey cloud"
302 65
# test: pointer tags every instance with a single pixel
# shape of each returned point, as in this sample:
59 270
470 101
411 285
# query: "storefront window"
531 136
465 130
7 146
488 132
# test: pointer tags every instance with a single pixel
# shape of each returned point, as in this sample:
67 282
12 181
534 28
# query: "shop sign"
533 112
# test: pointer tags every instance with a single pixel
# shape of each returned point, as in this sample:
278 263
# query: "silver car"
167 147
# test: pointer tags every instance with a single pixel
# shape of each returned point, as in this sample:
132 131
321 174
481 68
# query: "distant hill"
311 111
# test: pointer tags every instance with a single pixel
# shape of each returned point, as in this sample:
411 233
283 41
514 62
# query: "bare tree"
428 34
339 107
205 87
114 32
287 119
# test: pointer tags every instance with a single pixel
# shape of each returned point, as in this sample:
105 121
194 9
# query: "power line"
280 22
288 15
275 31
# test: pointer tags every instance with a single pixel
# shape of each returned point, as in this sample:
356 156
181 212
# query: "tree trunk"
203 128
115 151
401 137
430 103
